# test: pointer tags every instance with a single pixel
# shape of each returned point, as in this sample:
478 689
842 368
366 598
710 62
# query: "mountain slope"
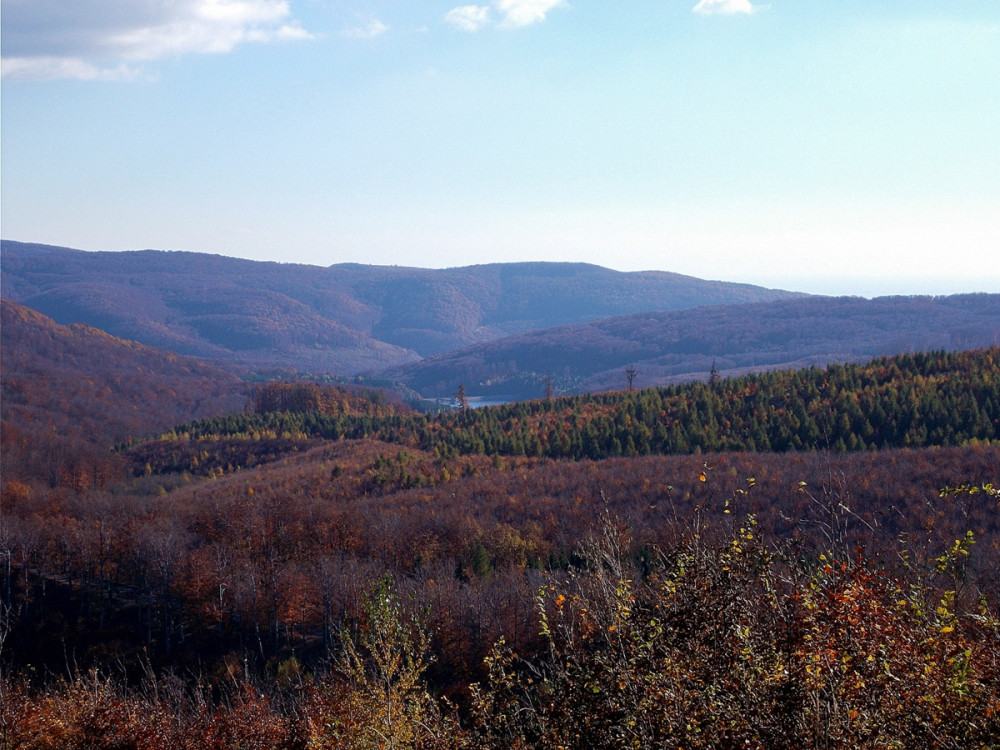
346 318
668 346
68 392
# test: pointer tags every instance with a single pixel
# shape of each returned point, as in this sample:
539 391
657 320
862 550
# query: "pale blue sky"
836 146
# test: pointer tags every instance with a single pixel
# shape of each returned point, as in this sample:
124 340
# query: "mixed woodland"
801 558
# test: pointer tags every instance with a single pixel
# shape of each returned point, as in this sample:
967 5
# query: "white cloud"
102 39
723 7
469 17
369 30
513 14
54 68
517 13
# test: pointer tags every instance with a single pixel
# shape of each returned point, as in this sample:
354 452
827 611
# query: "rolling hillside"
342 319
227 568
67 393
500 329
666 347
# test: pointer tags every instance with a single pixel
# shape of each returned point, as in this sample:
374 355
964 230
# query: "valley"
794 503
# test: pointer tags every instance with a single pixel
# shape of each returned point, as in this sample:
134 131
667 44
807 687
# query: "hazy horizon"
834 148
869 288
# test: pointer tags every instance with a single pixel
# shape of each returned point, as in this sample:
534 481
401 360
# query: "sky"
827 146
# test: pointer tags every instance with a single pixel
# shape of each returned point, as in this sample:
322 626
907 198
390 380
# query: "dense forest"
825 598
790 559
70 392
912 400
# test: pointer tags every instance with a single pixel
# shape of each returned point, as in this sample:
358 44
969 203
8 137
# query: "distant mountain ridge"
499 329
666 347
346 318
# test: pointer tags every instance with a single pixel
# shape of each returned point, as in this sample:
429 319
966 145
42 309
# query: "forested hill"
78 379
67 393
913 400
341 319
672 346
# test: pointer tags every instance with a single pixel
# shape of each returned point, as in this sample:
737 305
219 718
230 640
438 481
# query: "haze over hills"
346 318
669 346
499 329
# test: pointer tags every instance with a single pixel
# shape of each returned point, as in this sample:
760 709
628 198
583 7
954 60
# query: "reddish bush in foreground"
730 646
702 644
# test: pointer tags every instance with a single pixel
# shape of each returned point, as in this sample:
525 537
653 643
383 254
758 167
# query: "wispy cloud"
45 68
724 7
512 14
370 29
469 17
110 39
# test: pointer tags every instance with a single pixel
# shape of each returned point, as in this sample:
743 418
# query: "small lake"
477 402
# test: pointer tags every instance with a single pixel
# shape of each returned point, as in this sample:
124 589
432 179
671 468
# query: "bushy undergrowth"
733 645
722 640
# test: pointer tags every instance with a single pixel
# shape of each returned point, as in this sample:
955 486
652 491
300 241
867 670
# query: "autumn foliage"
735 645
330 570
705 644
908 401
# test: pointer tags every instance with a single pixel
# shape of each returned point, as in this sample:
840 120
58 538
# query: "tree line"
911 400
